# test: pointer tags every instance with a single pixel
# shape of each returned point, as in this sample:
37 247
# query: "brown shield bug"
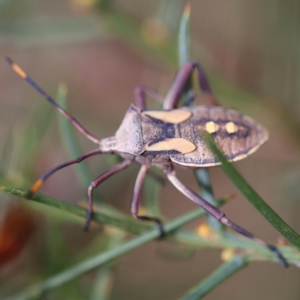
166 137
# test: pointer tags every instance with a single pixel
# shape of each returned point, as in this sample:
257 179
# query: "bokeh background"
101 50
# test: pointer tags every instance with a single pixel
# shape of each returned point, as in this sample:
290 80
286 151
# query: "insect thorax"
128 138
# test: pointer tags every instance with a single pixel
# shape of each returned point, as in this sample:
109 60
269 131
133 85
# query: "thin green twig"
107 216
90 264
202 174
184 36
217 277
103 258
266 211
103 280
69 139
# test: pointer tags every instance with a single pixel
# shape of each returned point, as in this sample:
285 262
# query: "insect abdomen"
237 135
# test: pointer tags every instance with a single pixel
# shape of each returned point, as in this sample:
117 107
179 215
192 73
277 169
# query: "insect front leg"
43 178
220 216
114 170
137 193
140 93
181 80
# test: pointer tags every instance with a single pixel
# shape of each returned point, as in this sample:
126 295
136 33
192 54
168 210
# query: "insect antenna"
21 73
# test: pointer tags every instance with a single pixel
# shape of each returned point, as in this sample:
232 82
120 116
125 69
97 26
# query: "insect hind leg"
136 201
220 216
246 233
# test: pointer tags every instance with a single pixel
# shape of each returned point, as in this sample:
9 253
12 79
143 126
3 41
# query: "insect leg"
181 80
79 159
116 169
137 192
220 216
21 73
140 93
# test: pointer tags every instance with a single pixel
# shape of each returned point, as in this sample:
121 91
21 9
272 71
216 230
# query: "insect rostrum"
168 137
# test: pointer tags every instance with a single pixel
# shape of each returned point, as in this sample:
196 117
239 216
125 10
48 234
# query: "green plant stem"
217 277
107 216
69 139
103 282
103 258
151 191
184 37
106 257
268 213
202 175
206 191
225 240
127 223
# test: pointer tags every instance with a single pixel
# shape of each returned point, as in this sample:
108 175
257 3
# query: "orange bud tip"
203 230
36 186
281 241
63 88
230 197
187 10
1 187
227 254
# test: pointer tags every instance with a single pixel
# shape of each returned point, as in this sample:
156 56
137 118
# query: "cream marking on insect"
253 149
211 127
239 157
205 165
179 144
175 116
231 127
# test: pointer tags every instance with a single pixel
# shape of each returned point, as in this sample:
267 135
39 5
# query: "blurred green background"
101 50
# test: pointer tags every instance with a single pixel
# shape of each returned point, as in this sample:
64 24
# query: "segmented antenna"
21 73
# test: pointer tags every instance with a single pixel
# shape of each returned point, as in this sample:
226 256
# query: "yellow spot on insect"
227 254
231 127
178 144
187 10
174 116
204 230
211 127
36 186
18 70
281 241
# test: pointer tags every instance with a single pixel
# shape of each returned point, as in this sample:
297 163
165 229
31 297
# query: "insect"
168 137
